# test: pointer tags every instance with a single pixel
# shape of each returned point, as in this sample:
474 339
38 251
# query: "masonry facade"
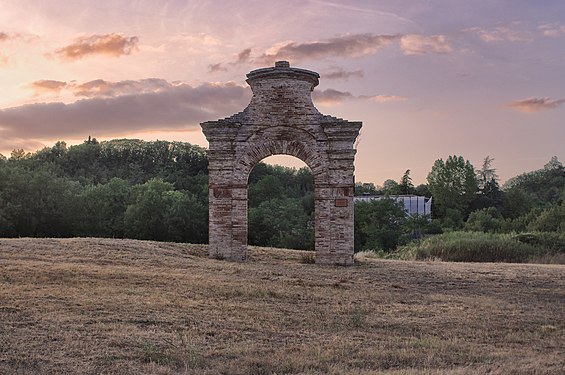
281 119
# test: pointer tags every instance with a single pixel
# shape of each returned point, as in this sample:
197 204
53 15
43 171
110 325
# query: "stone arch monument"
281 119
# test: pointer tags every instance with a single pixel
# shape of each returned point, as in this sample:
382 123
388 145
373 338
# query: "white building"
413 204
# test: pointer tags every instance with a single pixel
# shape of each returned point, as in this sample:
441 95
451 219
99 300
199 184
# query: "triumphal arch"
281 119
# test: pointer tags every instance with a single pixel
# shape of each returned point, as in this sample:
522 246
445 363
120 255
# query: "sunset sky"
428 79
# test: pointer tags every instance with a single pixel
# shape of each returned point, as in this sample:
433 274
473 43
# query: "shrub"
551 219
551 241
485 220
485 247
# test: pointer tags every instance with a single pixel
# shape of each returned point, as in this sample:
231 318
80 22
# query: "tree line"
159 191
144 190
464 199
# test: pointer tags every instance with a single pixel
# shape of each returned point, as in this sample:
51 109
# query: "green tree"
552 219
390 187
186 219
379 224
406 186
267 188
516 202
422 190
453 185
365 188
281 222
19 154
490 194
485 220
544 186
103 208
281 207
146 218
36 203
487 173
159 212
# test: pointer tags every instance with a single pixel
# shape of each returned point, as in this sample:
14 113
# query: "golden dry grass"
102 306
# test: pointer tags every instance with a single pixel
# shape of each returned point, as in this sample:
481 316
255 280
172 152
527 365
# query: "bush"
379 224
485 247
485 220
551 219
553 242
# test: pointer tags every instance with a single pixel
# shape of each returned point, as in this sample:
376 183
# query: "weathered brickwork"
281 119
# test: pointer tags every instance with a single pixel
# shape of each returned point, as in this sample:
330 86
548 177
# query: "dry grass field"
102 306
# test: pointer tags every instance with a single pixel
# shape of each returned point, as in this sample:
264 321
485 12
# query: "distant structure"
281 119
413 204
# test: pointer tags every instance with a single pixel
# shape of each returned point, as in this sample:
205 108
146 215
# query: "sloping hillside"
91 306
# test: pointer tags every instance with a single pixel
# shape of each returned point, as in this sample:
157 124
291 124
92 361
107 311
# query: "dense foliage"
158 190
481 221
143 190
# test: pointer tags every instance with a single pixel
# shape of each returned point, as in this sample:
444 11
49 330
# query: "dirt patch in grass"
91 306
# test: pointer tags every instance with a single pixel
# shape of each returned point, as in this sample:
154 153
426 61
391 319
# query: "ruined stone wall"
281 119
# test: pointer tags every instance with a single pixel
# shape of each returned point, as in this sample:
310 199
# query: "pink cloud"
219 67
385 98
165 107
243 56
100 87
415 44
552 30
109 44
501 33
344 46
340 73
330 96
48 85
533 105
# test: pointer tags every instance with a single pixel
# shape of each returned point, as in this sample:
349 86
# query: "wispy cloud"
341 6
415 44
191 39
166 106
344 46
109 44
102 88
330 96
348 46
243 56
503 33
48 85
340 73
552 30
219 67
385 98
14 39
533 105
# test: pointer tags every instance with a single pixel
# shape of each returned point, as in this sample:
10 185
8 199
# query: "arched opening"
281 204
